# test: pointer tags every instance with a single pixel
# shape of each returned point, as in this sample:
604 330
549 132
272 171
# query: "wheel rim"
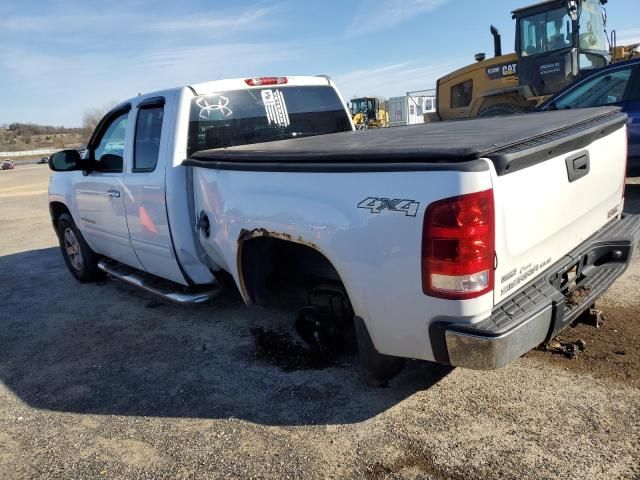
72 247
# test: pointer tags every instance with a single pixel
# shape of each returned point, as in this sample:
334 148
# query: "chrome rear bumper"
491 352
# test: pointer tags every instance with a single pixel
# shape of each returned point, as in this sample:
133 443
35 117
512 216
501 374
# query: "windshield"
592 33
545 32
242 117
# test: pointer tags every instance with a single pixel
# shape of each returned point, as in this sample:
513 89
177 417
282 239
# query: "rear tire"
502 109
81 261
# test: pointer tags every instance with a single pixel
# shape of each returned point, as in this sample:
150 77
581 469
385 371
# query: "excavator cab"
556 40
369 112
365 108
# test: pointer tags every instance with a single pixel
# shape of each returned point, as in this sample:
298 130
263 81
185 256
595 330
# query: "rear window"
242 117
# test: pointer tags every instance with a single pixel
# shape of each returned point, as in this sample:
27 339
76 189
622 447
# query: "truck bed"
511 143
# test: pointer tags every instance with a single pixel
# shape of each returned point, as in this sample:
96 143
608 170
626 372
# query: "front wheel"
81 261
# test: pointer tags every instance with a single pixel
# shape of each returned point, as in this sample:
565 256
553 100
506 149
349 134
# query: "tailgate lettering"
525 273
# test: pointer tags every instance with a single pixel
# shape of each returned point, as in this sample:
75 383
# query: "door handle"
113 194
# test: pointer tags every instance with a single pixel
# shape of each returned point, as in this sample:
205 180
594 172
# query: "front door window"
110 151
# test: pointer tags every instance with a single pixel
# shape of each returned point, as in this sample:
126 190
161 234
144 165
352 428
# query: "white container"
409 109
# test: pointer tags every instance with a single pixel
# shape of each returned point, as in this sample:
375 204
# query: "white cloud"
63 85
223 23
72 24
189 64
393 80
379 15
63 23
88 80
86 67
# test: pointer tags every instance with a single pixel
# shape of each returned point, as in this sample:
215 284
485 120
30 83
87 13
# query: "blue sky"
61 57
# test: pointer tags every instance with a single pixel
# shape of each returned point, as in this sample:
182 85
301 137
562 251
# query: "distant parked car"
7 164
44 160
616 84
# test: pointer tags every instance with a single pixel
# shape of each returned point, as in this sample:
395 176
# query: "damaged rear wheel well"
270 264
265 263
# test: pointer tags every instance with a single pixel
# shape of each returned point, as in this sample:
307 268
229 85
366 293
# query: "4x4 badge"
376 205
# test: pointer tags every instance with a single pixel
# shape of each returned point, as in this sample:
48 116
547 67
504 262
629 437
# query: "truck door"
145 202
100 193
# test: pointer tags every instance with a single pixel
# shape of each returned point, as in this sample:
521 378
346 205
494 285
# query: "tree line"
90 119
30 129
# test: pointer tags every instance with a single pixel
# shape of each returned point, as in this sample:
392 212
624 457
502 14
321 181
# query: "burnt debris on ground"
577 296
569 349
611 352
279 349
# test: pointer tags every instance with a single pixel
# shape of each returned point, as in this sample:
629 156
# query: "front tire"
81 261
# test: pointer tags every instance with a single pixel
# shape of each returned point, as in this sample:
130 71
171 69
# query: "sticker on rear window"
209 105
275 107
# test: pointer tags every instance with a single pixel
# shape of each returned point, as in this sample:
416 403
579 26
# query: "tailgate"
549 202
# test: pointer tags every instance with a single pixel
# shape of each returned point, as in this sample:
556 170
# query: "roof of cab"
534 6
240 83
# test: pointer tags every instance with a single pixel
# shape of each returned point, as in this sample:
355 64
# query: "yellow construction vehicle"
556 42
369 112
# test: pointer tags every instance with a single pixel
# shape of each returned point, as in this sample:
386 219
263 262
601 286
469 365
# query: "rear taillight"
261 81
458 246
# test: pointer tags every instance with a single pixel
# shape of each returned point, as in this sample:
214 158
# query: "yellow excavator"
369 112
557 41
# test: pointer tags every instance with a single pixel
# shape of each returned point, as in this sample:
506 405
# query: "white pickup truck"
466 243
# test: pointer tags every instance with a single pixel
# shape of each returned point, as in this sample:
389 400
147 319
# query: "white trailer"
409 109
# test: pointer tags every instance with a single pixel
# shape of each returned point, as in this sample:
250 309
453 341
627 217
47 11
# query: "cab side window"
147 142
462 94
110 151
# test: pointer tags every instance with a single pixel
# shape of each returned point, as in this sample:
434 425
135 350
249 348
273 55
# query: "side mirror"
66 161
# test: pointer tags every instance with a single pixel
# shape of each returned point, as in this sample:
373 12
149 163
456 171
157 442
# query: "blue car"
616 84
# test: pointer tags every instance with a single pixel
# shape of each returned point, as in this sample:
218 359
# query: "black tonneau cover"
510 142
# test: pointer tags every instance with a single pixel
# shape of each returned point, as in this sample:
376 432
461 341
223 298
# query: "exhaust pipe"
497 41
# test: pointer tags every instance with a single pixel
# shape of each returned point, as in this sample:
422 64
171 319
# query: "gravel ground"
106 382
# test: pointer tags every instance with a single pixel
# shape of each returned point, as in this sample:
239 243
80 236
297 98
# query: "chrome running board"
163 288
